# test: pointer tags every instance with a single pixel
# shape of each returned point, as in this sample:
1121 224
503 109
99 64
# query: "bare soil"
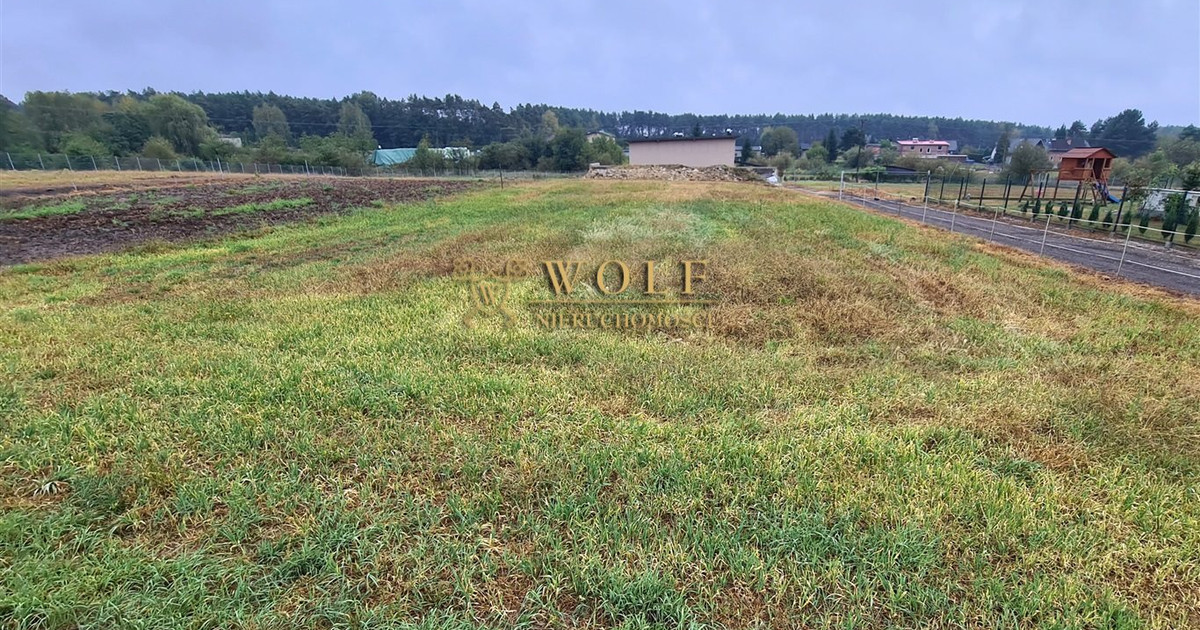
123 215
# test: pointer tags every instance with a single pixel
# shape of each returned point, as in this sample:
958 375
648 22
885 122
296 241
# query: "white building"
710 151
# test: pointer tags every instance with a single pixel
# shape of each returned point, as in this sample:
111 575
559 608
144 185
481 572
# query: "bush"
159 147
79 144
782 162
1174 209
1193 225
1126 219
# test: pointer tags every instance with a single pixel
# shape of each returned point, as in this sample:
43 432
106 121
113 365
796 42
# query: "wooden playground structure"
1090 166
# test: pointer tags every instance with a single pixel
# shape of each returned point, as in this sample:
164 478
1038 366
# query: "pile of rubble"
675 172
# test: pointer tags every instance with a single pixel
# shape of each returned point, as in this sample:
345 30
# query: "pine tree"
831 143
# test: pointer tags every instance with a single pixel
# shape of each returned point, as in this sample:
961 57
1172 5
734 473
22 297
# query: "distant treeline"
454 120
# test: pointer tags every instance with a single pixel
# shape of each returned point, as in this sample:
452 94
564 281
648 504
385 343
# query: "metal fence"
1118 247
1076 205
61 162
58 161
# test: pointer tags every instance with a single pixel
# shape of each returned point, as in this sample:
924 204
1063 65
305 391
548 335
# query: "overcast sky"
1032 61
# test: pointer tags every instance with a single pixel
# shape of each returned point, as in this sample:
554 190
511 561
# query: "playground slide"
1103 189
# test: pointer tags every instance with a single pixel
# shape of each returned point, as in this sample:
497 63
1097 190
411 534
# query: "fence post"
1120 207
942 190
953 216
41 162
10 162
159 160
306 168
117 161
982 187
219 169
1045 233
94 167
139 162
1075 204
1128 234
68 158
1007 190
841 185
925 195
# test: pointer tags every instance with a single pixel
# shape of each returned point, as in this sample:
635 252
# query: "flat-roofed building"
924 148
703 151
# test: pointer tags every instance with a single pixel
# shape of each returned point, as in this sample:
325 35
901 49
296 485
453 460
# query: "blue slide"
1104 191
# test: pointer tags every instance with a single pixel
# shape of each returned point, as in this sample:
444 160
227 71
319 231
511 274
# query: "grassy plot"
885 426
36 212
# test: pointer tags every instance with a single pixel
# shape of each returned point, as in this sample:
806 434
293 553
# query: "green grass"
37 212
888 427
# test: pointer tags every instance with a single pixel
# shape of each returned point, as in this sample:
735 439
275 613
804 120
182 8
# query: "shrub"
80 144
158 147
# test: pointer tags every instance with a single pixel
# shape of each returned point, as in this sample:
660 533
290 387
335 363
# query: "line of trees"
342 132
453 120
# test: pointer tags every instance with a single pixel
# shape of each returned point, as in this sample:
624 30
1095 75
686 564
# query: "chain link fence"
61 162
55 162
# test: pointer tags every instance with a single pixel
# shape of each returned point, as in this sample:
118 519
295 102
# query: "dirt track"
119 216
1105 253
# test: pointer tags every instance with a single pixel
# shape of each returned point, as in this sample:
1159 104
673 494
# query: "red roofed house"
924 148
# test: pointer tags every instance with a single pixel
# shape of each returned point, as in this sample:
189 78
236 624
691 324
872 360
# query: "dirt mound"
675 172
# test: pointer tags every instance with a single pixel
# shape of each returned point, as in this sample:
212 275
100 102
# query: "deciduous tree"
776 140
269 120
354 125
1027 159
183 124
